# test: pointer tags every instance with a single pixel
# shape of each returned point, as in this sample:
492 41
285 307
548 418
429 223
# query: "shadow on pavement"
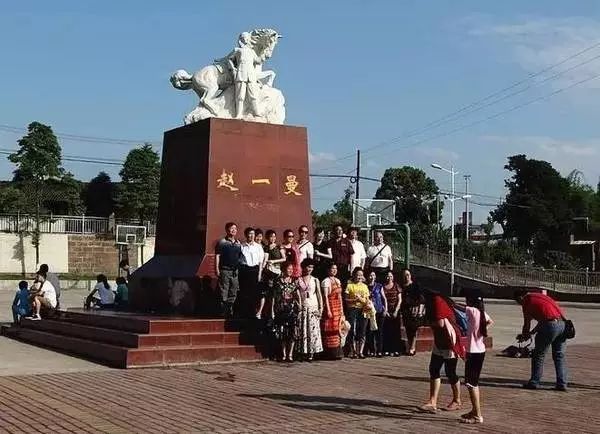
506 383
345 405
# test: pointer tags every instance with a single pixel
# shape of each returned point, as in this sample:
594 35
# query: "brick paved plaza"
349 396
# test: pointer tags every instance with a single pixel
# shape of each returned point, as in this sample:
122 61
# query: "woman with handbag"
357 298
333 315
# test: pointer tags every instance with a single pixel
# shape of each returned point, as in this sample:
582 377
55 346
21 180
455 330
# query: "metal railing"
578 281
63 224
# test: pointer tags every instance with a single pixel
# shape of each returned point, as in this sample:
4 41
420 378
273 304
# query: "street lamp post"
452 173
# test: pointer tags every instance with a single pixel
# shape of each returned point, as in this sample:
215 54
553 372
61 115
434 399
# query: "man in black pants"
228 254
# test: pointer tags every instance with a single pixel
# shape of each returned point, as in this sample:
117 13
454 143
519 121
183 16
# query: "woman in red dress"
333 315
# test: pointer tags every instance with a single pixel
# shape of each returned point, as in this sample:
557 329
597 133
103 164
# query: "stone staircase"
126 340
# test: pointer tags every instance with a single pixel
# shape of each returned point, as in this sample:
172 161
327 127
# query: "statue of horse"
210 81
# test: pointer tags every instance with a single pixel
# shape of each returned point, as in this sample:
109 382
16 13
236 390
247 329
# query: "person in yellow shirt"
357 297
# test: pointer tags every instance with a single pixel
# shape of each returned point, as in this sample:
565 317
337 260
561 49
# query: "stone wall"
94 254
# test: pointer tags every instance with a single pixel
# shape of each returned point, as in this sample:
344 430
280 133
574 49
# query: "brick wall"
94 254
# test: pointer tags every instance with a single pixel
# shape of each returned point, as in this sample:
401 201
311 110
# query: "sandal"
453 406
472 420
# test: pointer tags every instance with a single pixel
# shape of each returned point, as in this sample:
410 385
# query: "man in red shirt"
549 331
342 251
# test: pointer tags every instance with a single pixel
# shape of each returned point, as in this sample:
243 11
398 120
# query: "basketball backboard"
131 235
373 212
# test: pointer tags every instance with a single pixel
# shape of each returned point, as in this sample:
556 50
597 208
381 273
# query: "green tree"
10 199
99 196
38 161
537 210
39 155
341 214
137 195
415 193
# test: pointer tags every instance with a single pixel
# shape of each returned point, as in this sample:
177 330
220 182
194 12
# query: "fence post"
498 273
83 224
554 280
587 278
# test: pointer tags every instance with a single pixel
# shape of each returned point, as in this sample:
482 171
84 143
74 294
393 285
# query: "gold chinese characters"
291 185
226 181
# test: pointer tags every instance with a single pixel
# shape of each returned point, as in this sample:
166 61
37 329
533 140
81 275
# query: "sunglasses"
303 232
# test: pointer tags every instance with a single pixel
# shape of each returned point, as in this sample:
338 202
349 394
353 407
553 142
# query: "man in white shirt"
306 248
253 256
359 256
381 260
46 295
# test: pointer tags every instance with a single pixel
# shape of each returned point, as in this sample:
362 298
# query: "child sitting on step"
20 305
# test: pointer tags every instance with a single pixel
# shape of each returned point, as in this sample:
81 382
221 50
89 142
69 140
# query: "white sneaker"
36 318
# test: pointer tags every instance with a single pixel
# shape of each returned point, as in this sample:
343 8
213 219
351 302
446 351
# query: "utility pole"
358 174
437 204
467 179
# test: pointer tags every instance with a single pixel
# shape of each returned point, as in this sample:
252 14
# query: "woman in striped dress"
333 314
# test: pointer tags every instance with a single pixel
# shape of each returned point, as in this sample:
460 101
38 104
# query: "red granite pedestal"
213 172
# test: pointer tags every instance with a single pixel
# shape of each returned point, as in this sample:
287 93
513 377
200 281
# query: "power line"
78 159
327 184
494 116
452 116
82 138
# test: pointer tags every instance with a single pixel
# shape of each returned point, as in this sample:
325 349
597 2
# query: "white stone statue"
236 86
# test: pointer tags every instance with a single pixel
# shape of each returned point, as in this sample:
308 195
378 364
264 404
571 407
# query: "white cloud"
564 155
537 43
315 159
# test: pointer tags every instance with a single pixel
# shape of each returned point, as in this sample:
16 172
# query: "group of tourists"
326 298
334 298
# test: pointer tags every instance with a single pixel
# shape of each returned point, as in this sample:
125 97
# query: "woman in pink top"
477 324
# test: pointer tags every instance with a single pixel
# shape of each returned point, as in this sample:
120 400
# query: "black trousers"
435 368
248 295
376 336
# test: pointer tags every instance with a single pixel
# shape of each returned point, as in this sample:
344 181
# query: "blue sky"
355 73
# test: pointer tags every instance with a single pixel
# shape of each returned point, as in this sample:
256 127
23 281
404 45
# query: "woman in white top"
106 296
311 309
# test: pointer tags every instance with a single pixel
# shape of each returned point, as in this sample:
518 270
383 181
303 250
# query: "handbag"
569 332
